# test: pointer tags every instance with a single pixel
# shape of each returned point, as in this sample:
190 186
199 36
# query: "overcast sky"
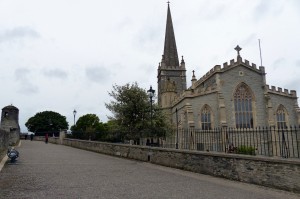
62 55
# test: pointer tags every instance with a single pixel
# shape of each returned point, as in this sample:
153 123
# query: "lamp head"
151 92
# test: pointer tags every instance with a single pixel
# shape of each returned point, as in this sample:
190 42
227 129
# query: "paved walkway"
56 171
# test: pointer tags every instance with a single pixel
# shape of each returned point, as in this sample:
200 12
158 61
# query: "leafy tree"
47 121
113 132
88 127
131 113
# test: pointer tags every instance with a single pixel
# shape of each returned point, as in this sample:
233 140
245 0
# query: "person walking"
31 136
46 138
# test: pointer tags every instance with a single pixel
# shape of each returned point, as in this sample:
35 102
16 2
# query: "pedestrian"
46 138
25 136
31 136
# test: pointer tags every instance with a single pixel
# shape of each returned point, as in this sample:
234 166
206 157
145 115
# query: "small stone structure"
10 123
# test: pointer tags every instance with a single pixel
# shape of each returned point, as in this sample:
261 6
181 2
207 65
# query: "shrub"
247 150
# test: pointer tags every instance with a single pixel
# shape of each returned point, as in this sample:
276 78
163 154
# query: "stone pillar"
62 135
270 111
222 108
191 126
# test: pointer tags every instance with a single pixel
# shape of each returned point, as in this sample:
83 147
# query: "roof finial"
238 49
168 2
193 79
182 60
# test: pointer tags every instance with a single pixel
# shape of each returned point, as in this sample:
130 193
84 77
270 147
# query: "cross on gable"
238 49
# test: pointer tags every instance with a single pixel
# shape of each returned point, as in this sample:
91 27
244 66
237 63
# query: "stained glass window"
280 116
243 107
206 118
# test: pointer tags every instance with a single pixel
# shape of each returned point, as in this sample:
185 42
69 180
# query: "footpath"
57 171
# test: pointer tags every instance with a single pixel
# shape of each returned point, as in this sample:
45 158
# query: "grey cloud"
24 81
297 5
147 39
56 73
28 89
21 74
212 11
261 9
18 33
123 24
249 39
293 84
97 74
279 62
267 6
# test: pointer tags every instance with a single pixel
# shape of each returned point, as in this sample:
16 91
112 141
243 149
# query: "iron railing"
266 141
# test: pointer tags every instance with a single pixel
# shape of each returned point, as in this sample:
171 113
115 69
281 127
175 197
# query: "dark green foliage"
46 122
247 150
132 116
88 127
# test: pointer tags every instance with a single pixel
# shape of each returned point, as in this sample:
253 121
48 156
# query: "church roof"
170 49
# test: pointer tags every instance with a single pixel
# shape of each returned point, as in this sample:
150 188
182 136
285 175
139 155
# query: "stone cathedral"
232 95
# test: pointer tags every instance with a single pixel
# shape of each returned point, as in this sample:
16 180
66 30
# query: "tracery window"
243 107
281 117
206 118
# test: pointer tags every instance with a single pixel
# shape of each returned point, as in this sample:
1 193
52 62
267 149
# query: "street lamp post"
51 127
151 95
74 113
176 129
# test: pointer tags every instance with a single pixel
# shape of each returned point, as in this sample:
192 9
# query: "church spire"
170 49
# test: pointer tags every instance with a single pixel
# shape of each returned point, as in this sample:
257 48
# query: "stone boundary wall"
4 136
270 172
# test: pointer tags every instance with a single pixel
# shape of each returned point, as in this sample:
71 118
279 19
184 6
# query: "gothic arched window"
206 118
243 107
281 117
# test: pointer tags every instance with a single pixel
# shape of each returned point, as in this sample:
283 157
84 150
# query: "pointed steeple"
170 49
170 69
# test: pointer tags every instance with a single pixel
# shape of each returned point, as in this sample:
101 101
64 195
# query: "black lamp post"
74 113
151 95
176 129
51 127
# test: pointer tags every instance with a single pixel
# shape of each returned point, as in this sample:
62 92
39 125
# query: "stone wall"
276 173
4 136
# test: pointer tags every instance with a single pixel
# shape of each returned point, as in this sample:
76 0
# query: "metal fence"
267 141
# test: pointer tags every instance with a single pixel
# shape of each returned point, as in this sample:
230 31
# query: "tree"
88 127
131 112
47 121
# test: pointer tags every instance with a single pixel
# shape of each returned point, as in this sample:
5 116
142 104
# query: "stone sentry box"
10 123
